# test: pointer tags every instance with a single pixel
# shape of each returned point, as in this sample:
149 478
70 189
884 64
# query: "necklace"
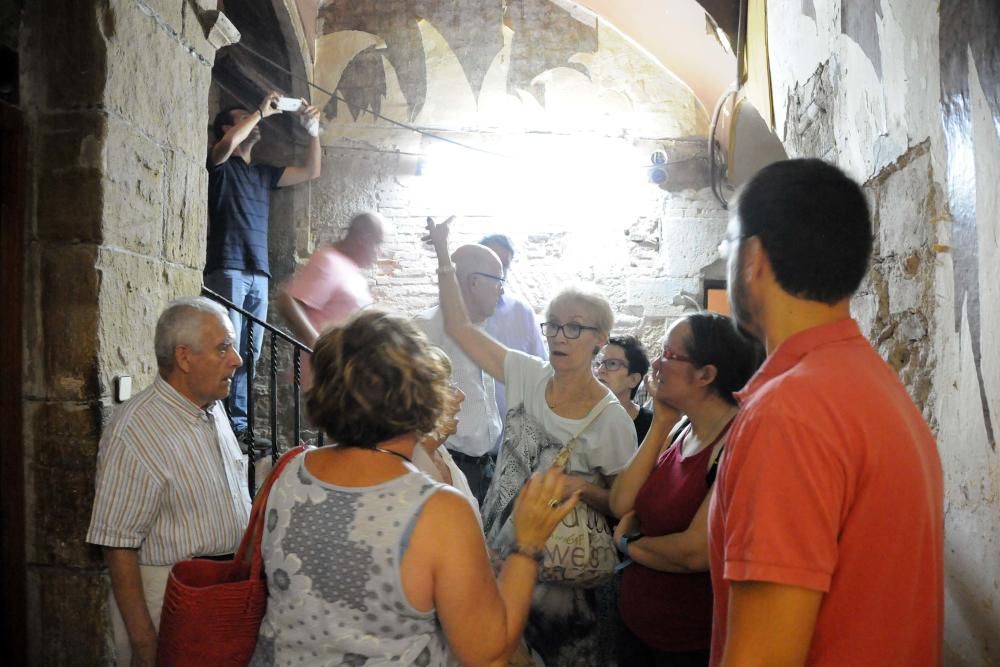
389 451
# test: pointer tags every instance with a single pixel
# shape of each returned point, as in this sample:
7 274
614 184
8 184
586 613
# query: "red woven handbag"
212 609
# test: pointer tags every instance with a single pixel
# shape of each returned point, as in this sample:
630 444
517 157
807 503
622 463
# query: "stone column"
115 100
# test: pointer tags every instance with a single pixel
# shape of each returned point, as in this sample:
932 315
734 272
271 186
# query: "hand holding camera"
288 104
275 103
308 114
269 105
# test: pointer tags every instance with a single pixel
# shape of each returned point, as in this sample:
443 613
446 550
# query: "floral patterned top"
332 555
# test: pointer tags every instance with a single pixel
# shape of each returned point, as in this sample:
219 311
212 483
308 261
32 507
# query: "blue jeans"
248 290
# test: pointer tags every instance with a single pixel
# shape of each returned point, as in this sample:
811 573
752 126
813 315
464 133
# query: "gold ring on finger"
554 503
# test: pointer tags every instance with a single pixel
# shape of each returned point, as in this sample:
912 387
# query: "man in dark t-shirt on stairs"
239 194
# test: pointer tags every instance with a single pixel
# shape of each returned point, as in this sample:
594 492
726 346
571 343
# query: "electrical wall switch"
123 388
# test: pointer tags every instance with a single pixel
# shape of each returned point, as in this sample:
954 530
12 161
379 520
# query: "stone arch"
273 30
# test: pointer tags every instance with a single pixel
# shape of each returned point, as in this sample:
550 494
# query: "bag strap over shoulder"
679 428
714 469
562 458
250 544
682 425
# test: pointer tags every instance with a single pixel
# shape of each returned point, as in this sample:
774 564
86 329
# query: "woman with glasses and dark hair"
549 404
662 497
352 543
621 367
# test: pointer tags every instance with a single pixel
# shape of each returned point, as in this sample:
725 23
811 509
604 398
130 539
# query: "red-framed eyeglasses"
670 355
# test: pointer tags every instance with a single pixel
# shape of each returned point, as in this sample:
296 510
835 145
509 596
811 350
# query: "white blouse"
426 463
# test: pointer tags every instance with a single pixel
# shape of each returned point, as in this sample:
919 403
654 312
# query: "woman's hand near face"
663 412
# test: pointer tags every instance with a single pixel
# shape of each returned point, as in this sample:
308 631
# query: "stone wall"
905 97
114 93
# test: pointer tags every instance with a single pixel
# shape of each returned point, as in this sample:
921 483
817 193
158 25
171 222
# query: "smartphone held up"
288 104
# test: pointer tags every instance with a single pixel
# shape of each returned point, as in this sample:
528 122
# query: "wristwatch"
628 539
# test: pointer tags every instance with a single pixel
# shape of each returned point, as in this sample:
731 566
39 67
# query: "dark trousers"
632 652
477 469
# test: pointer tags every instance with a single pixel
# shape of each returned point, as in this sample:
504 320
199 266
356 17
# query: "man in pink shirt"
826 529
331 287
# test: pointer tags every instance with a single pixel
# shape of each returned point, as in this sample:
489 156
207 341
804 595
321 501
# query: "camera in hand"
288 104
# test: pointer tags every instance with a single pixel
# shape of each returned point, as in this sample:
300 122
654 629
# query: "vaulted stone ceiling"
243 77
474 43
677 34
674 32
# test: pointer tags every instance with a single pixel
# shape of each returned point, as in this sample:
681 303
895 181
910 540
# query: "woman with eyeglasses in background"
662 497
433 459
548 403
621 367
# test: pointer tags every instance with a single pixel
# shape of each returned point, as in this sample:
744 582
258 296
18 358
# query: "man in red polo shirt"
826 529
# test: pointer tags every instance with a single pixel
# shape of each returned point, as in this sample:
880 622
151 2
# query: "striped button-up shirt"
171 480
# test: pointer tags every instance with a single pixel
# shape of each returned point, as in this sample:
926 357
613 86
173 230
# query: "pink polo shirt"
831 481
331 288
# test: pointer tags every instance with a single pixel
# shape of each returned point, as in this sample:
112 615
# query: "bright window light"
542 182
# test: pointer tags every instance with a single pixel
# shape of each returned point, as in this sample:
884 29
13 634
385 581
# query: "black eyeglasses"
571 330
499 279
610 365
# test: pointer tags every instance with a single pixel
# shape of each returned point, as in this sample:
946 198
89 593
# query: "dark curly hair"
715 340
375 378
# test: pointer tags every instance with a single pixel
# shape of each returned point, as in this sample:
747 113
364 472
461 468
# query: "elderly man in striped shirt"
170 473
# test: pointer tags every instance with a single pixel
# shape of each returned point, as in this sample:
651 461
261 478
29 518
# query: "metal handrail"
298 348
215 296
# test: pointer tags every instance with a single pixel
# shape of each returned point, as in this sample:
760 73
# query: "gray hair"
501 240
180 324
590 298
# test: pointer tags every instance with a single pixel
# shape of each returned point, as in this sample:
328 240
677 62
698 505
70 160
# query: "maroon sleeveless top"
669 612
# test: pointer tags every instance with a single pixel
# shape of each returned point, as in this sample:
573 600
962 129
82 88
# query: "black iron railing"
298 348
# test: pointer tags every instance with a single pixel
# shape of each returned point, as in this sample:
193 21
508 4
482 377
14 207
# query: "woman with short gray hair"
549 404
